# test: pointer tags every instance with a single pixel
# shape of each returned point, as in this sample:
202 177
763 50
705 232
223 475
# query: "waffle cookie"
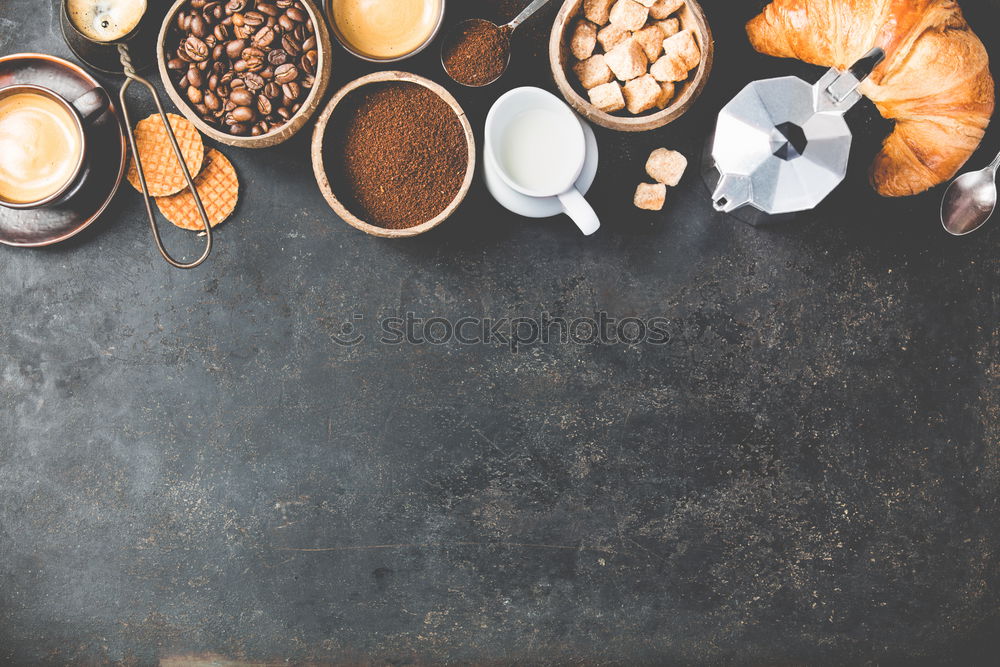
218 187
164 175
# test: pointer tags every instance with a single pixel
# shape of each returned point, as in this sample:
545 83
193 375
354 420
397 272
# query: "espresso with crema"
105 20
40 147
385 29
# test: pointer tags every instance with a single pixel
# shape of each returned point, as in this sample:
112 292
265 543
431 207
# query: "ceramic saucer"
105 137
540 207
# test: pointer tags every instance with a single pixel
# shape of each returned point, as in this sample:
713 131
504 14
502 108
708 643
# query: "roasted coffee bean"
268 8
240 65
238 129
309 44
267 73
235 48
284 113
307 81
296 107
254 82
263 105
237 82
272 90
243 114
254 19
296 14
286 73
254 58
195 77
290 46
195 49
264 36
198 27
277 57
286 23
234 6
241 97
212 101
283 4
238 20
195 95
255 131
201 109
229 106
308 61
176 64
291 91
218 51
221 32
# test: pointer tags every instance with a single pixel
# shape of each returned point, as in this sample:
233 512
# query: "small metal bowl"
354 52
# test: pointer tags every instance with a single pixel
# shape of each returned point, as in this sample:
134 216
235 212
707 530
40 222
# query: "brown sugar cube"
641 94
627 60
593 71
607 97
683 47
661 9
628 15
668 69
611 36
650 196
584 39
666 94
597 11
666 166
650 39
669 28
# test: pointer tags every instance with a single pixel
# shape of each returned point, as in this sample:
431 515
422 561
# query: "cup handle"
92 105
577 208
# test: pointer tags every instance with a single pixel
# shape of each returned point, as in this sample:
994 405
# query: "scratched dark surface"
807 473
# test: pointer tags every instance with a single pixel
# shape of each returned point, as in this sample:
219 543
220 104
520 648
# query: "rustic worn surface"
807 473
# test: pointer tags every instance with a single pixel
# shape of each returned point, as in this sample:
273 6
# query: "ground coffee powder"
477 54
396 154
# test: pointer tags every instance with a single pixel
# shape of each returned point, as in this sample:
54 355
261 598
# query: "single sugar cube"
607 97
642 94
666 166
597 11
684 47
668 68
650 39
628 15
627 60
661 9
584 39
611 36
669 28
650 196
593 71
667 90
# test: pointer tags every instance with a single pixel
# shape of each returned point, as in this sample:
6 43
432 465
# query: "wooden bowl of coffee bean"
247 73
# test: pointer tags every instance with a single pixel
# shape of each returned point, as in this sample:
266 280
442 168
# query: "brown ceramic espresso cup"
43 144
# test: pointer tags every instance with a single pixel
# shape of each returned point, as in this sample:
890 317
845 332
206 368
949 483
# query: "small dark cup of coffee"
93 29
43 144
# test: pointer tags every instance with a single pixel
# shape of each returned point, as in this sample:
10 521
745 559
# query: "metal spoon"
503 34
970 200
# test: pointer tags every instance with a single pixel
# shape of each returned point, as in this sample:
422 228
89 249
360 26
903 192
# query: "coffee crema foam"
105 20
39 147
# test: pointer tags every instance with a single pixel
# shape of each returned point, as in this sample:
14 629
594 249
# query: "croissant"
935 81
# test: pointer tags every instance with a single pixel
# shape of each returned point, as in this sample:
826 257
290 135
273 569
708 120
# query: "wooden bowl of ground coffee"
393 154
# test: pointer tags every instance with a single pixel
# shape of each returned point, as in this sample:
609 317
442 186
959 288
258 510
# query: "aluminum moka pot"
781 145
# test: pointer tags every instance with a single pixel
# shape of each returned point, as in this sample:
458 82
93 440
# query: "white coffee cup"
538 148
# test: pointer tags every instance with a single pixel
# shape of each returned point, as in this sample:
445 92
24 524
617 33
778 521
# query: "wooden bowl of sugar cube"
631 65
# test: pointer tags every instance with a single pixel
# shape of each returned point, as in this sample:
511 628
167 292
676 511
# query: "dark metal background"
807 474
